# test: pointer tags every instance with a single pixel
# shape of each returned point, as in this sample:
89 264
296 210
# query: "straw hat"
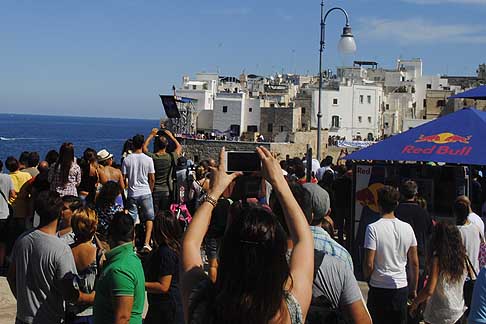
103 155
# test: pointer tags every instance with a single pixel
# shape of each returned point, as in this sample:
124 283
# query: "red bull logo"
444 138
368 197
440 148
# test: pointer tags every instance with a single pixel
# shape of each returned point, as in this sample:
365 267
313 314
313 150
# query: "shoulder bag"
469 284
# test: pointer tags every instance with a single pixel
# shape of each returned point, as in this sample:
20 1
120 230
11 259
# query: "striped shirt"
325 243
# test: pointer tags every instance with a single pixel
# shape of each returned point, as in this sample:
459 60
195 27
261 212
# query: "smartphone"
242 161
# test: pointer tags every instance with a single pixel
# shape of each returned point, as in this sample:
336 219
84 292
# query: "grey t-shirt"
6 185
335 281
40 260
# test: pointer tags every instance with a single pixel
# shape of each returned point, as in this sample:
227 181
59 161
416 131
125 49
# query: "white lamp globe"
347 45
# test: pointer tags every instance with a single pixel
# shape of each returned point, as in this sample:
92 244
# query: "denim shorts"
146 206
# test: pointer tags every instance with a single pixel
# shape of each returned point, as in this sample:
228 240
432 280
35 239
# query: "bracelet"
213 201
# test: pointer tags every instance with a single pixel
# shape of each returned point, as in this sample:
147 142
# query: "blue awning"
478 93
459 138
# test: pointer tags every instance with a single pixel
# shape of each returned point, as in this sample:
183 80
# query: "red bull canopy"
459 138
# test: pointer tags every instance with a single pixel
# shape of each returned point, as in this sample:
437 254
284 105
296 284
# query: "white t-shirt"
391 239
6 185
475 219
136 167
471 239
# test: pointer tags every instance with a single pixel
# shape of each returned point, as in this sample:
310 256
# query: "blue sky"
113 57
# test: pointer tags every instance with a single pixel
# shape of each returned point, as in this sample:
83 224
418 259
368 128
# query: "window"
335 122
360 119
386 125
281 128
369 119
225 109
370 137
387 106
361 99
441 103
252 128
194 87
429 86
369 99
425 103
250 109
335 101
235 130
303 111
270 127
272 105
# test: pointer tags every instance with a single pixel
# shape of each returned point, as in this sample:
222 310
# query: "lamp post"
346 45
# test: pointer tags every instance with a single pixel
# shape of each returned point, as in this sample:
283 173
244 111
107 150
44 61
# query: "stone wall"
198 150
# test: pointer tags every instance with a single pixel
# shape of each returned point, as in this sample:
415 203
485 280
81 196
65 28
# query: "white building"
236 112
203 89
351 110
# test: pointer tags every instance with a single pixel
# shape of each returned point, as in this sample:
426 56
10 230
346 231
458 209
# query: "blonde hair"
84 222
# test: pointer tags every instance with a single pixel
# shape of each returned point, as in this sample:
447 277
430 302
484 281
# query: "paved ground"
7 301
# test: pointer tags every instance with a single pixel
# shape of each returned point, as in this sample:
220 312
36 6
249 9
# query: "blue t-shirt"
477 314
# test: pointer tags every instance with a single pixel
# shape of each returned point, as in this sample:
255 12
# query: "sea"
38 133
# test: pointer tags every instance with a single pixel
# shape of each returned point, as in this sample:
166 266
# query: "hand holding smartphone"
242 161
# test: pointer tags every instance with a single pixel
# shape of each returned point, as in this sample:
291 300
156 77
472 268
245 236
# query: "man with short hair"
41 264
410 212
70 205
18 178
472 216
120 290
21 203
390 248
163 164
139 170
335 288
24 156
326 165
32 163
470 233
320 206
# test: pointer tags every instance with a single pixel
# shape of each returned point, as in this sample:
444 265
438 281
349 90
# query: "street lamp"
346 45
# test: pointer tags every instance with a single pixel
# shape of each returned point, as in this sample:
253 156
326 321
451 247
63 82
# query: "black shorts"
3 230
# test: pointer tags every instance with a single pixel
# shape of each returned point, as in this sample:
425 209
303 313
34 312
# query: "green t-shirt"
122 275
163 168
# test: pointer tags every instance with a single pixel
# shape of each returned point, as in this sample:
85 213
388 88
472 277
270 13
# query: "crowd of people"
86 240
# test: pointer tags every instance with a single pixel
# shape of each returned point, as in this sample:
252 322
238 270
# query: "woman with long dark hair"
255 283
162 272
90 175
447 273
65 175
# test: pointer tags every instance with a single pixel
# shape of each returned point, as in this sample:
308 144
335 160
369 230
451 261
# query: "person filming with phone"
255 282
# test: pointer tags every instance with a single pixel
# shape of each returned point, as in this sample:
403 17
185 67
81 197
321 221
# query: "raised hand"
271 170
220 180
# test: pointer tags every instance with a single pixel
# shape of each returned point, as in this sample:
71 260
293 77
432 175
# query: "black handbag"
469 284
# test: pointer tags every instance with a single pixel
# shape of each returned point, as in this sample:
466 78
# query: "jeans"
388 306
145 204
161 200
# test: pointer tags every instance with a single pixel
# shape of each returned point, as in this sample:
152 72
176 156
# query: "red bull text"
440 148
